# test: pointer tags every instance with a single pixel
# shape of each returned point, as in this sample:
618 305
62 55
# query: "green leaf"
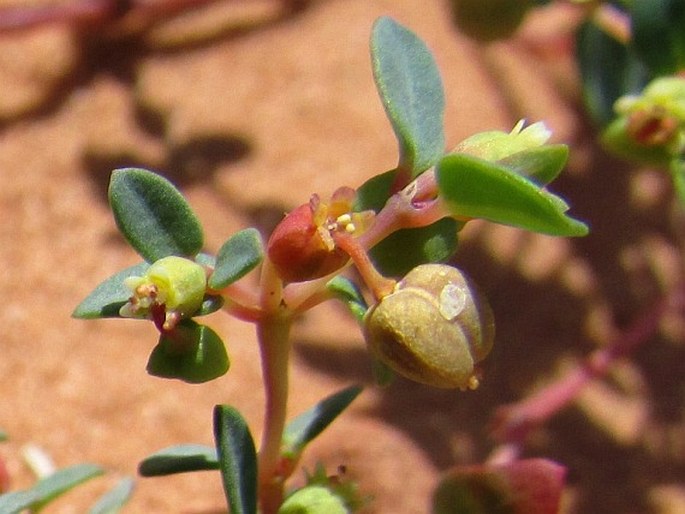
405 249
237 459
542 164
474 188
347 292
410 88
153 215
658 28
190 352
237 257
108 297
63 480
210 304
114 499
374 193
305 427
608 71
179 459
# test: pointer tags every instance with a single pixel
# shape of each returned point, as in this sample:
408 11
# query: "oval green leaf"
63 480
238 256
410 88
602 83
237 459
153 216
474 188
191 352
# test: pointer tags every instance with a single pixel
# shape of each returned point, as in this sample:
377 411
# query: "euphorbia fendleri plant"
421 317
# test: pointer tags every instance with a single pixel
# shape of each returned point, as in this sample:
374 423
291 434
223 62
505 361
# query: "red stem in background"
512 423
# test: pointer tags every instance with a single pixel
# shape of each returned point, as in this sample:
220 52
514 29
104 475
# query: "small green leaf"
237 459
114 499
153 215
608 71
474 188
108 297
305 427
190 352
658 29
210 304
407 248
542 164
237 257
179 459
374 193
410 88
347 292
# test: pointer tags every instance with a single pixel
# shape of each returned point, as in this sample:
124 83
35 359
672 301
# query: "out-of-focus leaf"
489 20
608 71
658 29
153 215
114 499
48 488
521 487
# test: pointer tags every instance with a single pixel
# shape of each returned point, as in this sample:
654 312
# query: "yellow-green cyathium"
175 283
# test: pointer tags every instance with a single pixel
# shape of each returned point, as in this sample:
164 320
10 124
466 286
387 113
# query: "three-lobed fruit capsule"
433 329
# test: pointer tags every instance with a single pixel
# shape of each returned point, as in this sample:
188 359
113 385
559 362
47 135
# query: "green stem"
274 342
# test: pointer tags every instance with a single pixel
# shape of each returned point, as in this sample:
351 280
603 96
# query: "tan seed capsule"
433 328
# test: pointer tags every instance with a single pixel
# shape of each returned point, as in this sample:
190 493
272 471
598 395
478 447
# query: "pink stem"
512 423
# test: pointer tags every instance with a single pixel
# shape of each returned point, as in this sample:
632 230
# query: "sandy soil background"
249 110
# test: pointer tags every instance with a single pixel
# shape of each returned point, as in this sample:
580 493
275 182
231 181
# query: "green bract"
475 188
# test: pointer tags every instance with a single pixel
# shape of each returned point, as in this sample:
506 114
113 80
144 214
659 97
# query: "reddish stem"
512 423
